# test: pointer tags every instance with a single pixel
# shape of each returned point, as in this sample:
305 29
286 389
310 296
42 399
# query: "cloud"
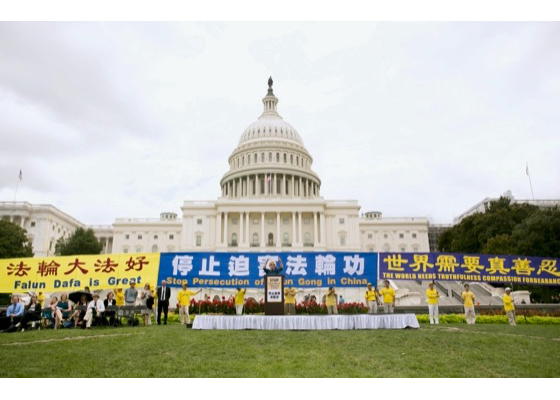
115 120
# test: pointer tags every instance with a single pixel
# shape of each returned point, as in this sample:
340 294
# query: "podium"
274 295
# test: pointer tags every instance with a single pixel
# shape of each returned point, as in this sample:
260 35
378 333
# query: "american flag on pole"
527 169
268 178
20 175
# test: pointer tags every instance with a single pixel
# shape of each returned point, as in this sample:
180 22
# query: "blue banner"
469 267
230 270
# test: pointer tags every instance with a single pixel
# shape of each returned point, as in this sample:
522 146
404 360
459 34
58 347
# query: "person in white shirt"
95 307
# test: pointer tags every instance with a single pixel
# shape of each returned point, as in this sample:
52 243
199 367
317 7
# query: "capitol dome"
270 159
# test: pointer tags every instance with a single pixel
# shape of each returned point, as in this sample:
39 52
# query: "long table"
306 322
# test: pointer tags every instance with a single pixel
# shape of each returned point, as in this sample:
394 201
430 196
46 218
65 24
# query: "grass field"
451 350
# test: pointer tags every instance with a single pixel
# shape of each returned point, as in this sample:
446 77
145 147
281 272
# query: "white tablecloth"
306 322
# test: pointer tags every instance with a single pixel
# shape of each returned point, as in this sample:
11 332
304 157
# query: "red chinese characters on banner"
19 269
45 269
136 265
106 266
76 264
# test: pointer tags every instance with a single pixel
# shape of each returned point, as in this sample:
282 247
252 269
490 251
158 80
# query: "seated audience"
32 313
14 313
94 309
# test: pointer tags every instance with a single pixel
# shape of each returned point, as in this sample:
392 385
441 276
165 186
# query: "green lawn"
450 350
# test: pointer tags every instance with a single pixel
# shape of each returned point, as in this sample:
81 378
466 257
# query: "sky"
127 120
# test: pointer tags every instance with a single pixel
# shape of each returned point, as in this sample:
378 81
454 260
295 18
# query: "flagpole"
530 183
17 185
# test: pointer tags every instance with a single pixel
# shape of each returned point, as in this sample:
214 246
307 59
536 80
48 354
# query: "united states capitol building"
270 201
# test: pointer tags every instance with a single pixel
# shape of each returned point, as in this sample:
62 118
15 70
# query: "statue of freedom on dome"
270 82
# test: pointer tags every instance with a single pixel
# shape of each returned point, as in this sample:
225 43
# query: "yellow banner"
70 273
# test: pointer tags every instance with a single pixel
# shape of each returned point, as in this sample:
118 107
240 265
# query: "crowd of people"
62 312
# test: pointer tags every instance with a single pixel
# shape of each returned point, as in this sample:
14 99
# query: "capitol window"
243 160
199 221
401 235
285 221
277 157
262 157
385 236
155 237
370 235
171 237
415 249
343 239
32 224
255 239
291 158
414 236
306 221
125 250
403 248
270 221
127 236
198 240
255 221
255 158
139 249
285 238
269 157
285 158
234 221
341 220
154 248
139 237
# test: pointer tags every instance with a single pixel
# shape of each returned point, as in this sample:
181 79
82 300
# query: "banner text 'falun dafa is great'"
102 271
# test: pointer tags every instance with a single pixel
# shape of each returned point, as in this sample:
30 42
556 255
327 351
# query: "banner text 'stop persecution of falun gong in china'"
71 273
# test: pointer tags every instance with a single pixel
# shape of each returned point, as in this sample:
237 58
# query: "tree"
80 242
506 228
14 242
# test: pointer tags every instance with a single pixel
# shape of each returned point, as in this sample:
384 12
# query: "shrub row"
492 319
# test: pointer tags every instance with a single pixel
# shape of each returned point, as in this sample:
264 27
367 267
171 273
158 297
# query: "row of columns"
255 185
244 239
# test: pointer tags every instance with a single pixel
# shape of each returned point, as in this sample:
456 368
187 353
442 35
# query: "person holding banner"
290 301
509 307
371 298
239 300
184 301
433 309
331 301
388 294
468 302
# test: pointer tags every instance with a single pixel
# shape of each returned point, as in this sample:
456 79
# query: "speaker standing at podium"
273 269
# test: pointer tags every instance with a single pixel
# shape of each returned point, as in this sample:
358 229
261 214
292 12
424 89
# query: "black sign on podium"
274 295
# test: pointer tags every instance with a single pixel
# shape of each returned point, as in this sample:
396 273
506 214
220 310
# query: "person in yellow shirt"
290 301
119 297
509 307
41 298
184 300
388 294
331 301
433 309
240 300
371 298
468 302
